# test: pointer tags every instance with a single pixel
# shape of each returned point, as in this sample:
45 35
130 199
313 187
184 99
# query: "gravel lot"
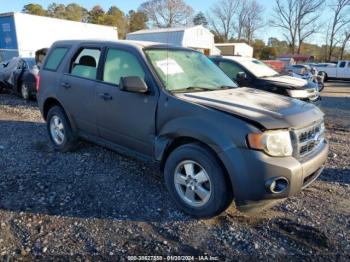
95 203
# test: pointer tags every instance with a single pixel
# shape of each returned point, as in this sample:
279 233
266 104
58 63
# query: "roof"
137 44
163 30
51 18
231 44
238 58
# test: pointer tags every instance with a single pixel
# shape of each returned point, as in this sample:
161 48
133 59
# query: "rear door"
125 118
77 87
343 69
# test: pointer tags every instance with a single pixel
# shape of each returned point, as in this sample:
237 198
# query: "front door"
77 89
125 118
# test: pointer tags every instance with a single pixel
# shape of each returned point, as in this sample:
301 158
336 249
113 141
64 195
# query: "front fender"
196 128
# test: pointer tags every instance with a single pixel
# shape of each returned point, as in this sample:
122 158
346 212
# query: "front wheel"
324 76
60 131
197 182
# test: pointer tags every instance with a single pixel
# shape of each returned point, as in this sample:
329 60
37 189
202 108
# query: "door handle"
66 85
105 96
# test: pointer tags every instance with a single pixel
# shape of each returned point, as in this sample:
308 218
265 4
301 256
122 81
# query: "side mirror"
241 76
133 84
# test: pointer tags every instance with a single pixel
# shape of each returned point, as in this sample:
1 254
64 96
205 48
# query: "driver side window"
120 64
230 69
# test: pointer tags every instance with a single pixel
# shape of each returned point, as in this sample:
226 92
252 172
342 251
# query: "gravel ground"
99 205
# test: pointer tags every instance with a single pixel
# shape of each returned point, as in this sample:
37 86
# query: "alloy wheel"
192 183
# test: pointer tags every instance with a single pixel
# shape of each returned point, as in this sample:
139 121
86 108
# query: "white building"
235 49
197 37
23 34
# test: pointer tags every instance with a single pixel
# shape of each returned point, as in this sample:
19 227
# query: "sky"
126 5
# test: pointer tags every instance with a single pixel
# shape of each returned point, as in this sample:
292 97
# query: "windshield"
258 68
187 71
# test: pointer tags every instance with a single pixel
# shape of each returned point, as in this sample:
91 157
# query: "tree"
57 10
137 21
96 15
76 12
34 9
341 18
115 17
242 14
268 53
200 19
281 47
345 41
167 13
258 46
222 18
307 15
252 20
297 20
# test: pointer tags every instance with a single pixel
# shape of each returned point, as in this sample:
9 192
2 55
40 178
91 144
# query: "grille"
308 139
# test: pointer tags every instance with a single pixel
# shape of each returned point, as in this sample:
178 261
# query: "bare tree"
308 12
285 18
167 13
253 19
344 43
297 19
341 18
242 15
222 18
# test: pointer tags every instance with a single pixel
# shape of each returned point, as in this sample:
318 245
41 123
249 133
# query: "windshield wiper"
192 89
228 87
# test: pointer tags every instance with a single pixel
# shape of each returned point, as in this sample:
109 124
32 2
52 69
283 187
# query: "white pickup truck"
340 71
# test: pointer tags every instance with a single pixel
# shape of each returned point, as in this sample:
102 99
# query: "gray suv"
214 142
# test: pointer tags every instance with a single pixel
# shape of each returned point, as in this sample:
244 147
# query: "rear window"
55 58
342 64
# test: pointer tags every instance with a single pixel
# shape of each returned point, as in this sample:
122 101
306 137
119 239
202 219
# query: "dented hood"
269 110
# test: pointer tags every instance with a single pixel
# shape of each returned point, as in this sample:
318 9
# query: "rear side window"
86 62
55 58
121 64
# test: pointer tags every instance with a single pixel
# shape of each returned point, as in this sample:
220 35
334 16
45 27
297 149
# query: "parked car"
253 73
20 75
213 141
340 71
307 72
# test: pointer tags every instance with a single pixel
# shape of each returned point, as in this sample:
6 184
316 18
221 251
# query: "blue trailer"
8 37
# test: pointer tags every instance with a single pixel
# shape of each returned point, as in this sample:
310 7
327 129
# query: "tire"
202 159
60 130
325 77
321 87
25 93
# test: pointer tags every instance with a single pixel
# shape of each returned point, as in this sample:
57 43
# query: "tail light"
37 83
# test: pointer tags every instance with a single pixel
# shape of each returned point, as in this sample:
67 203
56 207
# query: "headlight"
304 93
274 142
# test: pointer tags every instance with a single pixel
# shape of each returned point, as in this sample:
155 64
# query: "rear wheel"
25 91
60 131
197 182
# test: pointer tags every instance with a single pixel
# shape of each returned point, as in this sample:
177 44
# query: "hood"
287 81
269 110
